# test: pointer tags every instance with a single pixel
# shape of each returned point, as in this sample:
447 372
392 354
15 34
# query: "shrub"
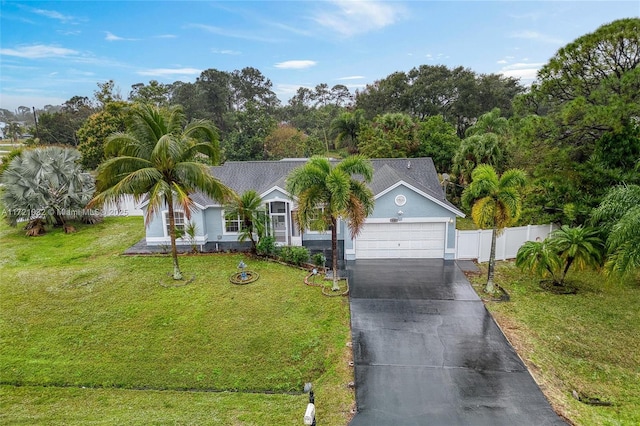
266 246
294 255
319 260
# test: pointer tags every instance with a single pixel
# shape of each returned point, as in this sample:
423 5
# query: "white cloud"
54 15
356 86
39 51
296 65
226 52
112 37
351 77
166 36
534 35
527 72
503 61
69 32
287 90
360 16
232 33
164 72
533 16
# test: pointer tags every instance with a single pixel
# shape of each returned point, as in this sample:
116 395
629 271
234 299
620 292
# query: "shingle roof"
264 175
258 175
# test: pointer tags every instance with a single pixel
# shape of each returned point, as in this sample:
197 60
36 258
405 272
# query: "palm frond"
338 184
357 165
539 257
483 213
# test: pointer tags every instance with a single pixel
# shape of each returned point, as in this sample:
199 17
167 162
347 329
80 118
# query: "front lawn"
587 342
90 336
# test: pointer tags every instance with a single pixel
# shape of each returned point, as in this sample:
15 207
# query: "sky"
51 51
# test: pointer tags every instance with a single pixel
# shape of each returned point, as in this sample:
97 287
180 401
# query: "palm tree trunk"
334 253
248 223
566 269
177 275
489 288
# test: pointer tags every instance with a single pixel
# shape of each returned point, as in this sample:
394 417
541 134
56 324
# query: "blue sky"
51 51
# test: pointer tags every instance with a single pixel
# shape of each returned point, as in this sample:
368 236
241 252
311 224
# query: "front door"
278 211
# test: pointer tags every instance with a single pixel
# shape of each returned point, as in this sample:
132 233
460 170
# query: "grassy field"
586 342
88 336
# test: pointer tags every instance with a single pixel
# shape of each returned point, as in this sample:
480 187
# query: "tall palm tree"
156 158
496 204
347 126
490 122
253 214
332 192
475 150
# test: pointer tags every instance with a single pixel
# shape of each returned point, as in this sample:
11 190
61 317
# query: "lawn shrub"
294 255
319 260
266 246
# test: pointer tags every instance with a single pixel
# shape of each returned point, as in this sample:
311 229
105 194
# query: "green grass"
587 342
90 336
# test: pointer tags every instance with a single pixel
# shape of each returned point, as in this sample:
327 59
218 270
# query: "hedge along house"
411 219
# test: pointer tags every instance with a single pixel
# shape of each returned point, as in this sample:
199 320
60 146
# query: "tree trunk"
254 244
334 253
59 220
177 275
489 288
566 269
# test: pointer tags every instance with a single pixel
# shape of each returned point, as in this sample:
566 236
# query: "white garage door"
401 240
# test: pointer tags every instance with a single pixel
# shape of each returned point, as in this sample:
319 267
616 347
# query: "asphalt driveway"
427 352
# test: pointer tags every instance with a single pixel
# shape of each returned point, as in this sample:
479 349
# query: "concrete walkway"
427 352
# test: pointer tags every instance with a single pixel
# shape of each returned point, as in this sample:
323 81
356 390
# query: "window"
278 207
317 224
178 218
232 223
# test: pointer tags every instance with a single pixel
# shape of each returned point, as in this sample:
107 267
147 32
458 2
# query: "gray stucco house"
411 219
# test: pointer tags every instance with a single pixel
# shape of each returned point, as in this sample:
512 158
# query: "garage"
401 240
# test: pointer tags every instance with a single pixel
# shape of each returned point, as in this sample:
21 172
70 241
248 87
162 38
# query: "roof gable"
442 203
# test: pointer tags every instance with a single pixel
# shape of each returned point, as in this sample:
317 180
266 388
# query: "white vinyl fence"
477 244
127 206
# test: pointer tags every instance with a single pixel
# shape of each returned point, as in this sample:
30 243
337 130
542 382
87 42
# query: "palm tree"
252 212
623 244
580 246
496 204
490 122
539 257
328 193
156 158
618 218
347 126
559 251
475 150
46 185
13 130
